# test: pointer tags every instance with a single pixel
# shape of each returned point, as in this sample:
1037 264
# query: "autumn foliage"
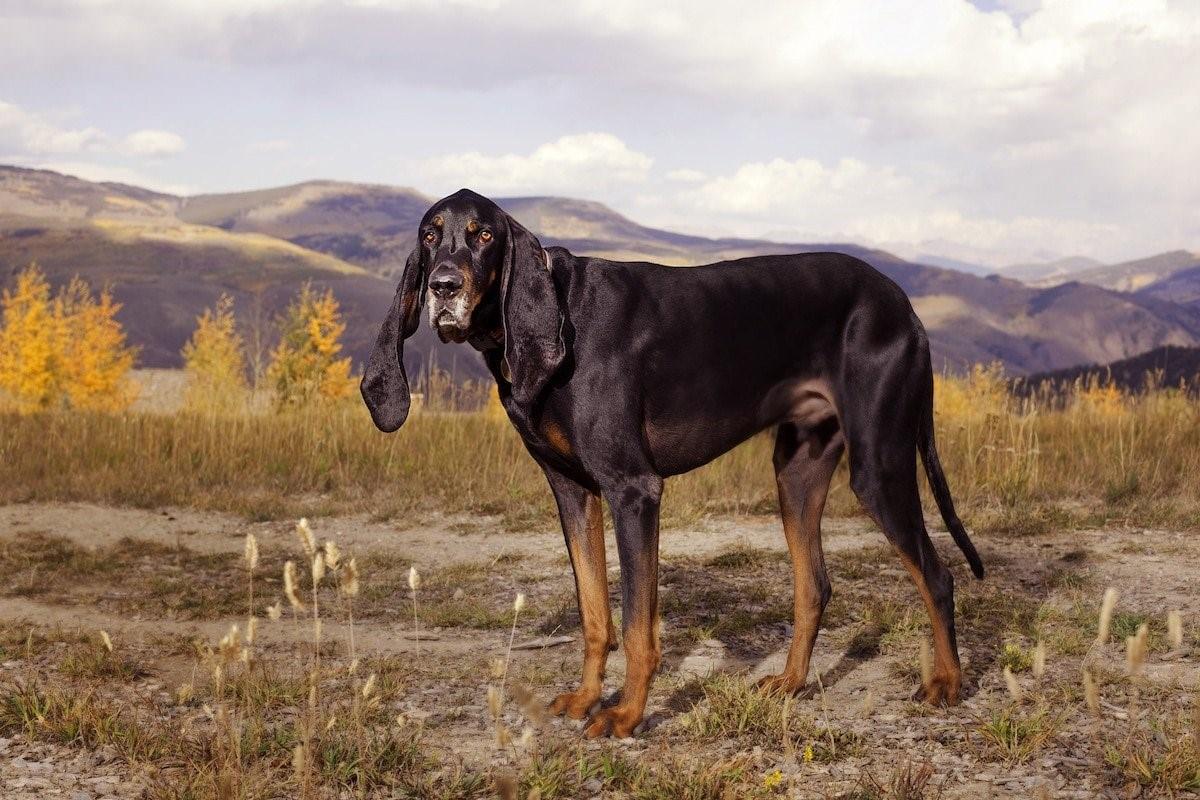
215 361
62 351
307 365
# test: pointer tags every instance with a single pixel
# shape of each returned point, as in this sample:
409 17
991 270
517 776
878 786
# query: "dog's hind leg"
883 473
583 527
804 466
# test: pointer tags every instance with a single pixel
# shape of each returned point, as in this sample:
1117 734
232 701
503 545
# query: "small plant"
1012 736
907 782
1015 657
1163 757
732 707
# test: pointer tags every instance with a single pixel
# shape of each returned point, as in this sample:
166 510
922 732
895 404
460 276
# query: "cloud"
153 143
22 132
806 200
686 175
991 124
596 160
26 133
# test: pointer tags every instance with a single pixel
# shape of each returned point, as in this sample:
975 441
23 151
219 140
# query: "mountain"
168 257
946 262
1165 366
373 226
1049 273
1132 276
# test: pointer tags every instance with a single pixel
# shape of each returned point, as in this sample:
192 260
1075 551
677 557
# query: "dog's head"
484 277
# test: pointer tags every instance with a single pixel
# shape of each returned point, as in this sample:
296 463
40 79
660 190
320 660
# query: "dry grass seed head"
349 578
307 540
1175 628
289 585
106 641
318 570
251 551
1010 681
414 578
1091 692
1136 648
495 703
925 658
1107 605
333 556
1038 666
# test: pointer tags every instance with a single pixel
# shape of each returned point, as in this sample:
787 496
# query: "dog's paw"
575 705
782 685
940 691
618 721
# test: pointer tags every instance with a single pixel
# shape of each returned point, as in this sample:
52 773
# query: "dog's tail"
941 490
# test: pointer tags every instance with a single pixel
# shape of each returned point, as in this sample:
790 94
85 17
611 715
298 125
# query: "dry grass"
1015 736
1013 468
732 708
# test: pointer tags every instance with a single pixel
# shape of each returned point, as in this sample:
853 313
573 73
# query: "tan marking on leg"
591 586
947 672
803 534
643 654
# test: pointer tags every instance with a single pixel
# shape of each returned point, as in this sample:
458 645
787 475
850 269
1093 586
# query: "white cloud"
26 133
805 200
152 143
686 175
597 160
1056 125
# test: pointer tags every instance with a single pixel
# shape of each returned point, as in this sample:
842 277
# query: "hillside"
1168 366
1048 273
1132 276
167 257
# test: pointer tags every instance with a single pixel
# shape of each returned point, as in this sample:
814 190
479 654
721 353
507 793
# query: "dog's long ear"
384 383
532 315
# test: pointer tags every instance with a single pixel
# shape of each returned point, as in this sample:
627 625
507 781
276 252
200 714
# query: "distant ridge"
1163 366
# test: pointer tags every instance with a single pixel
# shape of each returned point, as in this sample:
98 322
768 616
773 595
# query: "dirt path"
1051 582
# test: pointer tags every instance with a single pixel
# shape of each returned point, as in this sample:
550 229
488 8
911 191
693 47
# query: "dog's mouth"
448 327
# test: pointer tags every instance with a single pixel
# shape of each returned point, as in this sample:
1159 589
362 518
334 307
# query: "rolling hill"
1132 276
1049 273
167 257
1169 366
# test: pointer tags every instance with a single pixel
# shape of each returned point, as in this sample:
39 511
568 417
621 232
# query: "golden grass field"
124 542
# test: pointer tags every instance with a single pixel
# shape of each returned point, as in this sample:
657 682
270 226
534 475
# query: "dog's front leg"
634 504
583 528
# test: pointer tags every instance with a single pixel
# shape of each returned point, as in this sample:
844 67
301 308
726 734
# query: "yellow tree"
30 371
215 361
95 359
306 365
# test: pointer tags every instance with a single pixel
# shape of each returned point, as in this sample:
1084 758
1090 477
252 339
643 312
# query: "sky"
995 132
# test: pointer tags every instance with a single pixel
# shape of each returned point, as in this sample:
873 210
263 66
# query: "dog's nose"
445 283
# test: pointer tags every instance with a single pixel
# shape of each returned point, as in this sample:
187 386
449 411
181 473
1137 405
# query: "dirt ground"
726 598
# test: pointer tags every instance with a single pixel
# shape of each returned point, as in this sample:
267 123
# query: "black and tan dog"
618 375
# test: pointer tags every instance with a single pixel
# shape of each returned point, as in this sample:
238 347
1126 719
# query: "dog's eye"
485 236
430 236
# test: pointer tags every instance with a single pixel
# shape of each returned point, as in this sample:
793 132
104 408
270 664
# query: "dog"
618 375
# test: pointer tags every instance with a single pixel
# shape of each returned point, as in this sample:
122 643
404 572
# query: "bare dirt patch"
73 570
